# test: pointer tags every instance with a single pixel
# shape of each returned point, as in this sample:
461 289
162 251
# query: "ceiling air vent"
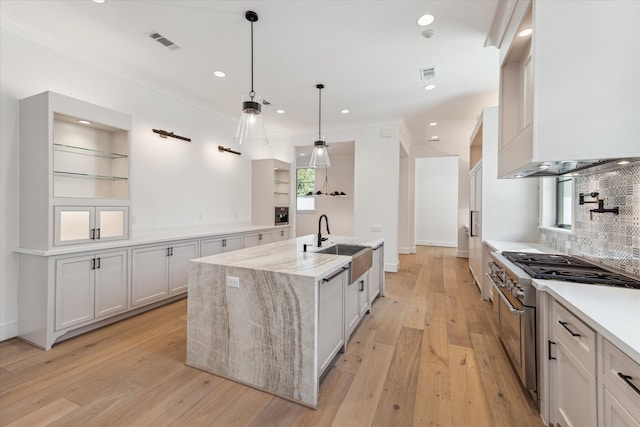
163 41
427 73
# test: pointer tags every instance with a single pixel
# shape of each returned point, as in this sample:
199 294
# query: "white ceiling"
367 53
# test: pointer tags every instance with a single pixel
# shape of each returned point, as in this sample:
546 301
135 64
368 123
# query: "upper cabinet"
270 184
569 93
74 172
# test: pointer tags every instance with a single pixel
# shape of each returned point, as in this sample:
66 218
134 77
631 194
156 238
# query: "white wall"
339 210
173 183
436 201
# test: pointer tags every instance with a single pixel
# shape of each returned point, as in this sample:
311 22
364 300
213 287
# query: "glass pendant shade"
251 129
320 155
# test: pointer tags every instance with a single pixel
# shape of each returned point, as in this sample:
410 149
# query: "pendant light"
320 155
251 128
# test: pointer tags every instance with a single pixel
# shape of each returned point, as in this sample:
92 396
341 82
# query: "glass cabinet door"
112 223
74 225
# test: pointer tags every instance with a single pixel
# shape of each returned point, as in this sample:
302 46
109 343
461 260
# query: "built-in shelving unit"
75 161
270 189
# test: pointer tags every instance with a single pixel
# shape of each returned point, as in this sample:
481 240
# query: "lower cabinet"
160 271
619 387
356 303
330 317
572 373
90 287
282 234
220 245
376 274
257 239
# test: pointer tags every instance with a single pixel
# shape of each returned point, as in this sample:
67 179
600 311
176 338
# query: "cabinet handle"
93 264
260 236
361 285
564 325
627 379
92 234
224 242
334 275
168 251
281 233
97 233
171 251
97 262
549 350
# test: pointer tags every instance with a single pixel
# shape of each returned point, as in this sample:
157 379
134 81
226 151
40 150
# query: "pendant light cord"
319 112
252 93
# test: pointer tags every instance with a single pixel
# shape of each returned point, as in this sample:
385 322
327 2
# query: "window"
564 202
305 183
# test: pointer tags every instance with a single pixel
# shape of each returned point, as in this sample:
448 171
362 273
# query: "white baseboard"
408 250
437 243
391 267
8 330
462 254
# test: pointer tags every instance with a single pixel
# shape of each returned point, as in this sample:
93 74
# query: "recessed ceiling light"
84 122
623 162
429 87
98 1
425 20
525 32
433 124
220 74
302 154
344 111
434 137
280 111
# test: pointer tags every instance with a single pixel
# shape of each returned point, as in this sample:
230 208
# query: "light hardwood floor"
427 355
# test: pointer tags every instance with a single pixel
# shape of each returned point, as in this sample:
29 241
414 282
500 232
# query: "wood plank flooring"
427 355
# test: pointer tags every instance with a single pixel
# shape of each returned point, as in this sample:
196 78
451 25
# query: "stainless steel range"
515 300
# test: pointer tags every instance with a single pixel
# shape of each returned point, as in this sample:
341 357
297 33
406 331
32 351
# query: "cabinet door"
572 390
112 223
257 239
363 295
376 274
149 274
110 283
352 312
179 265
212 247
279 235
73 225
232 243
74 291
618 411
330 319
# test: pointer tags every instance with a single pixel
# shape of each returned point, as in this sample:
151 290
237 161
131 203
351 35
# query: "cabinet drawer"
615 365
575 335
617 410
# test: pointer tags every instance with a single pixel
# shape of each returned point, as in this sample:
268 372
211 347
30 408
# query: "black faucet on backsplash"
599 201
320 238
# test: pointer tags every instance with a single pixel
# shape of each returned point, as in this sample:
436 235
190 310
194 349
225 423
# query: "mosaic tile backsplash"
609 240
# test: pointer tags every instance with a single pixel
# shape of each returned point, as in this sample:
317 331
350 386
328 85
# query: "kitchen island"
270 316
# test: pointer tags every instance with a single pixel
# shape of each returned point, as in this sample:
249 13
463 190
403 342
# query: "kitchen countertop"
288 256
500 246
612 312
150 237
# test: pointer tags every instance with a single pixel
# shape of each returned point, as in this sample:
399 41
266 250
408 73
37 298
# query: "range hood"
569 167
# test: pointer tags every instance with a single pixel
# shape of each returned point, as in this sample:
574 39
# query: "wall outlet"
233 282
376 227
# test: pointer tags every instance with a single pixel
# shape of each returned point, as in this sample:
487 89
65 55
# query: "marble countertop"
288 256
612 312
150 237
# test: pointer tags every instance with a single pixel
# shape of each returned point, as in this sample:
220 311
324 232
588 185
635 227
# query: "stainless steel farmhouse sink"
361 257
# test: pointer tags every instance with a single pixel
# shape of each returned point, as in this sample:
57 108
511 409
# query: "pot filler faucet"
320 238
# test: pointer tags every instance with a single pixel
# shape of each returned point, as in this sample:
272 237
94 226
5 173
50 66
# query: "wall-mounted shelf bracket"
165 134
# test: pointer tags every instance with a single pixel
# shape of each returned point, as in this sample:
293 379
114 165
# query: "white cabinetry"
356 303
619 386
74 156
282 234
90 287
220 245
376 274
572 369
330 318
257 239
160 271
500 209
550 108
269 189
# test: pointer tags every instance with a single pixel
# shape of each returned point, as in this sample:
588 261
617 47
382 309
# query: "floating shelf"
89 176
88 151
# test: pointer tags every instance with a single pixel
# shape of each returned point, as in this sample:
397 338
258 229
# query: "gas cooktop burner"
568 268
